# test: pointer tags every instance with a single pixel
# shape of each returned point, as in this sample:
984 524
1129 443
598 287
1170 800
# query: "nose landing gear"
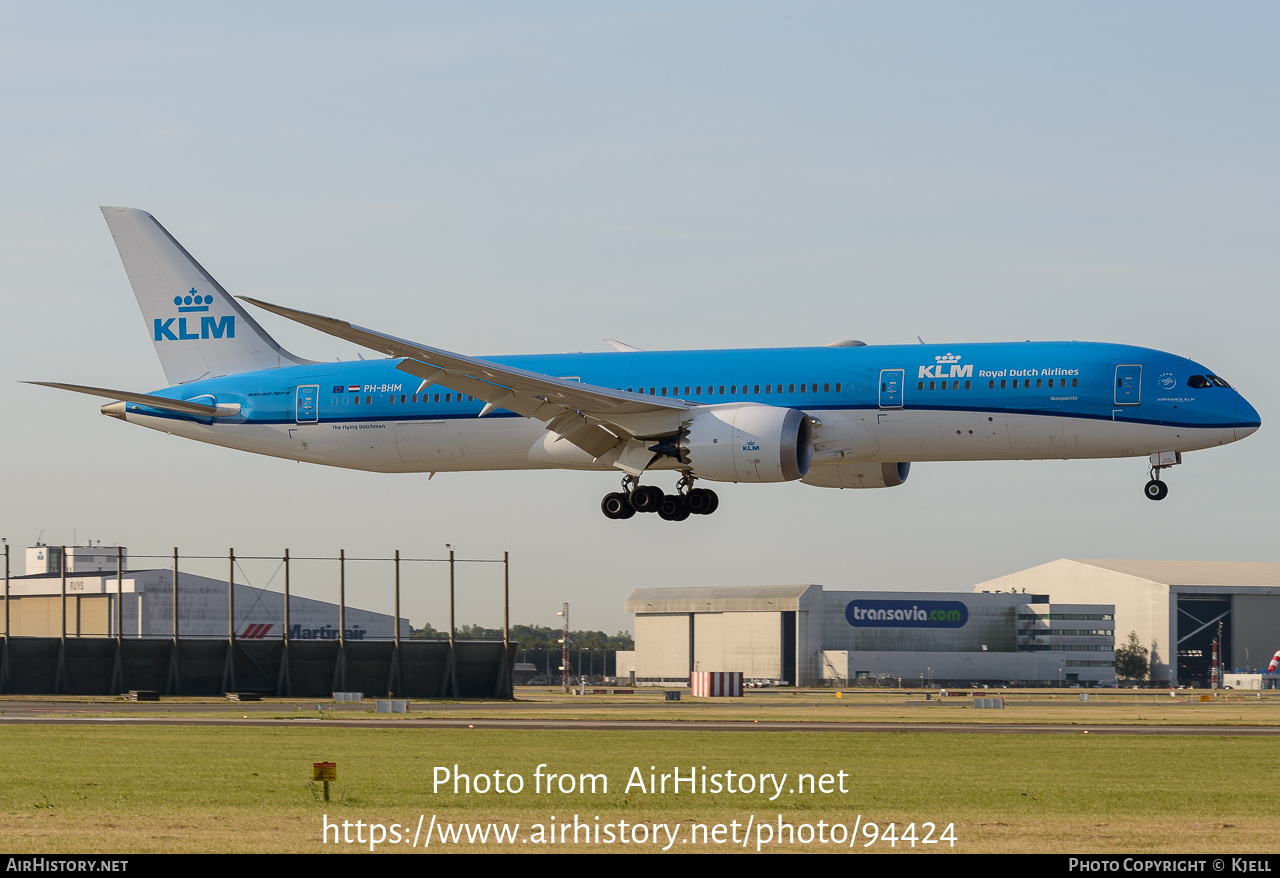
635 497
1156 489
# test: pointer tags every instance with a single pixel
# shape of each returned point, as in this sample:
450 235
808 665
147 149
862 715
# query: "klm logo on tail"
210 327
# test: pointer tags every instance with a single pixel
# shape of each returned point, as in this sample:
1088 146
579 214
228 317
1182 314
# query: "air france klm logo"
210 327
946 366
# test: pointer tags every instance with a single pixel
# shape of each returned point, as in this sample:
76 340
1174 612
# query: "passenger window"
933 385
686 391
368 400
837 387
664 391
757 390
448 397
402 399
1002 382
768 388
1039 382
803 388
791 388
722 390
944 385
733 389
991 385
919 385
1050 382
437 398
1073 381
968 385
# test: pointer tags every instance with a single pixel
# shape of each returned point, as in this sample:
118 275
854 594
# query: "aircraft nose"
1247 419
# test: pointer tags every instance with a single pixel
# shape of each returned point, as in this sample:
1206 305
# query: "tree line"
540 645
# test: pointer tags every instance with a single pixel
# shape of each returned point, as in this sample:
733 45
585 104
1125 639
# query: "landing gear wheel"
616 506
646 498
674 508
1156 490
702 501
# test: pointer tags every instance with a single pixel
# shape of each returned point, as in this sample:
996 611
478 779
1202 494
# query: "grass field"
134 789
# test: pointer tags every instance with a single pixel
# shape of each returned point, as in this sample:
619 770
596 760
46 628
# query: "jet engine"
749 442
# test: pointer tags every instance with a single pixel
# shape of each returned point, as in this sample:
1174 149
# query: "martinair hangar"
1054 624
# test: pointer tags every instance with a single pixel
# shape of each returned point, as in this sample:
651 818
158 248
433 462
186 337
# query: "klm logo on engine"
751 446
946 366
177 328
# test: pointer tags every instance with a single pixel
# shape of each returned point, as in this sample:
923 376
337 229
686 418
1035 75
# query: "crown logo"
948 358
192 302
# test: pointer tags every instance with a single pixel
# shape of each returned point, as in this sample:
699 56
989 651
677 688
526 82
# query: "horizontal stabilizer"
162 403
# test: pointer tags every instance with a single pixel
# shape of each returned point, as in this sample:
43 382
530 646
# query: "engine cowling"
749 442
858 474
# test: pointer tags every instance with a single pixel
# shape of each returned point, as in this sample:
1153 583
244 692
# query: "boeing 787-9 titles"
847 415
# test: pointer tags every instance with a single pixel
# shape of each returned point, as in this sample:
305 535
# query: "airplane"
844 415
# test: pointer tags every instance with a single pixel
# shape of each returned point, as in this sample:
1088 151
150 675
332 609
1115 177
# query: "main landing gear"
635 497
1156 489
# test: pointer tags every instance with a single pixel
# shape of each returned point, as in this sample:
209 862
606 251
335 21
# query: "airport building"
1174 608
805 635
1054 624
147 603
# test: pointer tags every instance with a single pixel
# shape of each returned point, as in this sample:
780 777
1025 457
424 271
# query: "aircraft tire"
715 501
1156 490
673 508
646 498
616 506
701 501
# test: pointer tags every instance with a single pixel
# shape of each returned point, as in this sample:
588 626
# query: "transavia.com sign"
906 614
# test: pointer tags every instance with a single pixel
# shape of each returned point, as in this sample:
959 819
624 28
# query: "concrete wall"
87 616
663 645
746 642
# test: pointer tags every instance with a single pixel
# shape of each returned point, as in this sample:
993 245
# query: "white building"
1174 608
804 635
147 608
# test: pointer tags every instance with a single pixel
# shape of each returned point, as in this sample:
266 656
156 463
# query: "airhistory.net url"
432 832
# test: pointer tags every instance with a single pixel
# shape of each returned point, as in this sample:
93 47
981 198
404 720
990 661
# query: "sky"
517 178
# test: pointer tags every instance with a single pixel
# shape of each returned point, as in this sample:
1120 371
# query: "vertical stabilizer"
198 329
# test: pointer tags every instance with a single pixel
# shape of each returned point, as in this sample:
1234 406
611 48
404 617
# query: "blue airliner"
847 415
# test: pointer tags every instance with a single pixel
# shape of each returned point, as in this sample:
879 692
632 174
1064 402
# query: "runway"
958 728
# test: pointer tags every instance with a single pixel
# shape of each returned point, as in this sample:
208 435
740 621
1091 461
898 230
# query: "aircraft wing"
596 419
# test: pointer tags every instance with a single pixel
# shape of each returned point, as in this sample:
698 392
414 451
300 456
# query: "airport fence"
77 642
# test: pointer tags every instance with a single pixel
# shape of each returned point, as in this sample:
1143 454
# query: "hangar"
805 635
1174 607
147 604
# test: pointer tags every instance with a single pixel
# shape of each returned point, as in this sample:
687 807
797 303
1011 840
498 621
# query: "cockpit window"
1197 382
1217 382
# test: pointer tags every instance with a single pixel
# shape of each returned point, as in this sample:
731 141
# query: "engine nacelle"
858 474
749 442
